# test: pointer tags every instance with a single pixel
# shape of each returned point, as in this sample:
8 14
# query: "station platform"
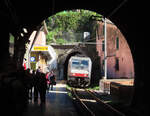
58 103
105 84
121 90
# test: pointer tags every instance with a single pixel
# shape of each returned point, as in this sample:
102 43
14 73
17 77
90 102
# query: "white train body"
79 71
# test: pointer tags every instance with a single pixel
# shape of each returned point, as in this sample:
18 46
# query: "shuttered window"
117 43
103 29
117 64
103 45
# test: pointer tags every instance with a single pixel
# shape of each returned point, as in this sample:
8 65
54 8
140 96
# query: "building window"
103 66
103 29
117 43
103 45
117 64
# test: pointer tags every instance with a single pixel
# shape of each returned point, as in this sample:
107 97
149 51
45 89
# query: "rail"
108 108
83 104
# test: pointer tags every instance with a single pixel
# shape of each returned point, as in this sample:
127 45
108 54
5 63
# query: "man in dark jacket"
42 86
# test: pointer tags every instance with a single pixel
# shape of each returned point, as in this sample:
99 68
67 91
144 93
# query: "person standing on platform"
35 83
48 80
28 83
42 86
39 69
25 64
52 79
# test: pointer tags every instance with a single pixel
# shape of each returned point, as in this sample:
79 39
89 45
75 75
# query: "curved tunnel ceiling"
30 14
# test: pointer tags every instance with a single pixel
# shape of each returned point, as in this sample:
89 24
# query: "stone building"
119 58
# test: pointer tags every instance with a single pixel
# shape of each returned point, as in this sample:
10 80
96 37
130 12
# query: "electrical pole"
105 52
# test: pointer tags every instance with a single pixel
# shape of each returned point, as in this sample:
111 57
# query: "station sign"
40 48
32 59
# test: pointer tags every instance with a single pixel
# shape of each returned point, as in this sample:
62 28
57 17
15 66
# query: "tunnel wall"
4 44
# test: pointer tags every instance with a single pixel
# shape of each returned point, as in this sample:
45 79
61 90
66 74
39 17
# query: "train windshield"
80 64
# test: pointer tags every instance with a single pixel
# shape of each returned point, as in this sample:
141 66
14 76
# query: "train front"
79 71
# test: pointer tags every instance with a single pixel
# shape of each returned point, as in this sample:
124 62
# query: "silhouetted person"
12 93
35 84
29 83
39 69
48 80
42 86
52 79
21 75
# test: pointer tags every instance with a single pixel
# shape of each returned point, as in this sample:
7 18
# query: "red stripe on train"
79 75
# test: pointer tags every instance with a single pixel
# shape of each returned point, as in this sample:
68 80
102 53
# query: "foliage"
11 40
74 23
94 88
60 41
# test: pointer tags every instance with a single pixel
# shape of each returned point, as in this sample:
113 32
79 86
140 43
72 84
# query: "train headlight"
86 75
73 74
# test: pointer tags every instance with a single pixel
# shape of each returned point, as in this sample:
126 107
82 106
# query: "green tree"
71 23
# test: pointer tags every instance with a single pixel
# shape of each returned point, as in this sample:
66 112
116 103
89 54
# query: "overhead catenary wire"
53 6
117 8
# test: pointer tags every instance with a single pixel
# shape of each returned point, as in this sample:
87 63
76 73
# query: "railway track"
93 106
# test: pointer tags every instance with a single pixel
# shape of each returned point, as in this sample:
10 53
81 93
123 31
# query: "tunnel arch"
126 19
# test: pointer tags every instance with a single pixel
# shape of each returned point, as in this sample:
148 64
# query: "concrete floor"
57 103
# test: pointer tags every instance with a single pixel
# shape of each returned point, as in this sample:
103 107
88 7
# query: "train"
79 71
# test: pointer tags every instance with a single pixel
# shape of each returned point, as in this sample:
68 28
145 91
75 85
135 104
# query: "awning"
49 52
